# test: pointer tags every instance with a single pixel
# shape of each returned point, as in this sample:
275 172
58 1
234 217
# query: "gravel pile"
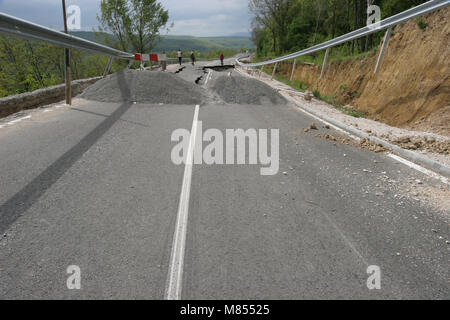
145 87
241 90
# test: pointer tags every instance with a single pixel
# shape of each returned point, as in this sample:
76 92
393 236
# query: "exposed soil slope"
412 87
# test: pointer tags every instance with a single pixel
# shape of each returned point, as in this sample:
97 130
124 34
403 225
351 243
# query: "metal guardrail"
28 30
387 23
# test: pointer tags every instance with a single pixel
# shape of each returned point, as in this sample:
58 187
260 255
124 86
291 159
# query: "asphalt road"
94 186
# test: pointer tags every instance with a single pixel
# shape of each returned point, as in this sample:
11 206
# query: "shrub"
422 24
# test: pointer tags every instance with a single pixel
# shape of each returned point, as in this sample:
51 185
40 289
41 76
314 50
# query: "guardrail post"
108 67
274 70
67 61
130 64
383 48
293 69
325 60
261 71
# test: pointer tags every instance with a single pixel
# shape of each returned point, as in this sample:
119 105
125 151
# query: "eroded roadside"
431 145
417 187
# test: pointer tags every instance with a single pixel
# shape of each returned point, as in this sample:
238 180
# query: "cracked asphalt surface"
93 185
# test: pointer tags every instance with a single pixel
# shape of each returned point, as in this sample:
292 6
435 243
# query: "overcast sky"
190 17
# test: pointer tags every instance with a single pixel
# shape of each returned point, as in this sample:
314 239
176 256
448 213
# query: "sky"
202 18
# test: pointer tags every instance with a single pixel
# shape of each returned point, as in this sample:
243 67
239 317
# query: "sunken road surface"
239 90
145 87
168 88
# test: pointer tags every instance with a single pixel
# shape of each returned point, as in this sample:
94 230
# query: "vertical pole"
293 69
383 48
130 64
108 67
261 71
67 60
324 66
274 70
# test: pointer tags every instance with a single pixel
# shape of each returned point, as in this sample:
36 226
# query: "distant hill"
186 43
241 35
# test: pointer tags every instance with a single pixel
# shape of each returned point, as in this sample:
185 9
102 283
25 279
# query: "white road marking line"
331 125
175 276
419 168
207 77
47 110
18 120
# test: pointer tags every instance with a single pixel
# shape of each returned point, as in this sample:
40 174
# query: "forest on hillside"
286 26
29 65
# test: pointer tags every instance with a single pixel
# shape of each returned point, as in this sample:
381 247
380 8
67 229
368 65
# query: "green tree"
135 24
281 26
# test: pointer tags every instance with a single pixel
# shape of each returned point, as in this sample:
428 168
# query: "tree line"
285 26
29 65
134 26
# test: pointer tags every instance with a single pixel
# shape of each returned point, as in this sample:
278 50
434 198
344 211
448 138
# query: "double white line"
208 76
175 276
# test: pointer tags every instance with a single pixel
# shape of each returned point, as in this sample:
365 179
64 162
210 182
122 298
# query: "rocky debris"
308 95
145 87
367 144
244 90
313 126
333 138
429 144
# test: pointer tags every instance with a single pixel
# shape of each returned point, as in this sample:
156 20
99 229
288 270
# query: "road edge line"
419 168
409 155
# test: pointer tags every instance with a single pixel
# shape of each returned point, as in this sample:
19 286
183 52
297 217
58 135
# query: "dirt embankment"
412 87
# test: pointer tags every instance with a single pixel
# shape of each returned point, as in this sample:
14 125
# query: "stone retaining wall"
41 97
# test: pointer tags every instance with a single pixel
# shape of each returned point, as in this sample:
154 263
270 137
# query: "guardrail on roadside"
387 23
28 30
